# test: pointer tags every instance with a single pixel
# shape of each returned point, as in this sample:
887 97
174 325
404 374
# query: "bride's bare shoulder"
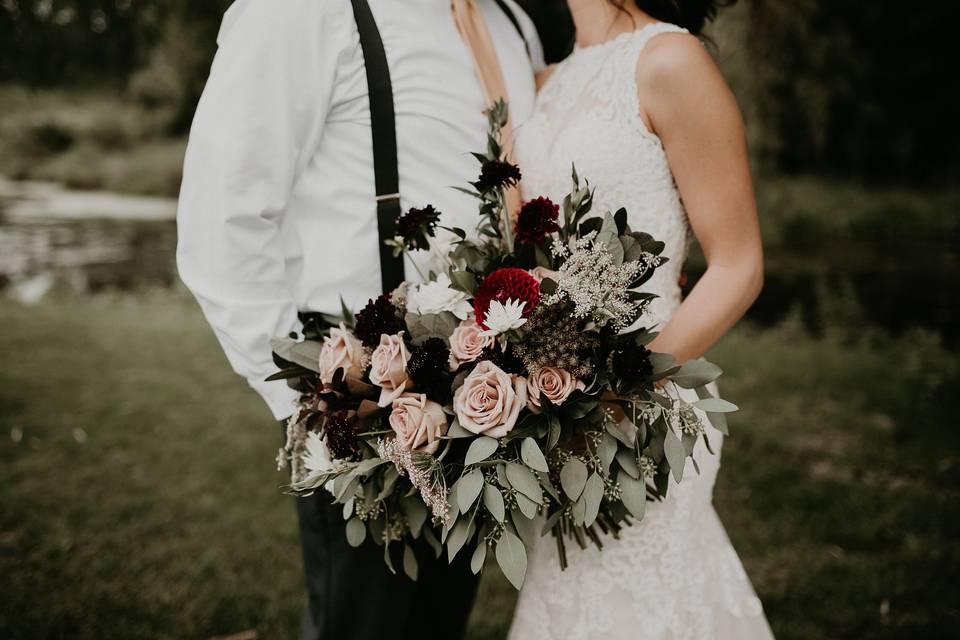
542 76
674 57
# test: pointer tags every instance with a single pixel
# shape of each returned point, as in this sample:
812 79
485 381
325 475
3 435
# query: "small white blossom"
437 297
317 458
597 286
503 317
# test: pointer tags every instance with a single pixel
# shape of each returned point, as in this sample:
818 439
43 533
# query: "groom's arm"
256 127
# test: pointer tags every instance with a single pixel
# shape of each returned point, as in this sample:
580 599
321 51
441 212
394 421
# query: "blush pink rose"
553 383
418 422
388 368
490 400
341 350
467 343
539 273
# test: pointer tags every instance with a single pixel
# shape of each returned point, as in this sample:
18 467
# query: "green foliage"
842 500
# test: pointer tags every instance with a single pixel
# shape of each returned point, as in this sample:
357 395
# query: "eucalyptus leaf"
479 555
532 456
662 362
409 563
551 522
457 538
696 373
554 431
512 558
573 477
617 432
463 281
526 528
356 532
718 420
481 449
389 481
493 501
633 494
387 559
607 450
468 489
627 460
306 353
609 238
366 466
579 511
716 405
525 481
675 453
456 430
416 513
431 539
592 495
527 507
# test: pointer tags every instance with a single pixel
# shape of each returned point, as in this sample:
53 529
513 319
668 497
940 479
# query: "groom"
285 187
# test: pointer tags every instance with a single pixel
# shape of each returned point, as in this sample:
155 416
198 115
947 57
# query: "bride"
643 112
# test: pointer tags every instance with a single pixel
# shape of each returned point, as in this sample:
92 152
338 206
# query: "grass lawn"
139 498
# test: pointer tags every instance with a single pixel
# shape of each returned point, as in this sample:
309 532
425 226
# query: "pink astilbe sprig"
424 472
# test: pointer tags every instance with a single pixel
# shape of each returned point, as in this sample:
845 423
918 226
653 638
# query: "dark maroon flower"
417 226
506 359
378 317
343 436
632 362
537 219
506 284
496 174
429 365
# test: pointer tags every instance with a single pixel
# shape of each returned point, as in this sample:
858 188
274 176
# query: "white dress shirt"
277 210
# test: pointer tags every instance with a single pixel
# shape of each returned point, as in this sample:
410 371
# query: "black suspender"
513 20
383 128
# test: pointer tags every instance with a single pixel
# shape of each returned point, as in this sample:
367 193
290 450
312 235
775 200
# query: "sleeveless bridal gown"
675 575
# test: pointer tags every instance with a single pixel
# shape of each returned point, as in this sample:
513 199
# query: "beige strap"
473 29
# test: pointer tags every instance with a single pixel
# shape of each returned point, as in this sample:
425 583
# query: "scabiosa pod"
416 227
379 317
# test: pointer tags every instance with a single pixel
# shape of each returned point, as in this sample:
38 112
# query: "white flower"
437 297
502 317
317 459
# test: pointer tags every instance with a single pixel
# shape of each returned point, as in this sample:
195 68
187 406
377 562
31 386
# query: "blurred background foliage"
839 86
137 495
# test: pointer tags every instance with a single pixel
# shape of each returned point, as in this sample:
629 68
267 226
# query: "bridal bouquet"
508 396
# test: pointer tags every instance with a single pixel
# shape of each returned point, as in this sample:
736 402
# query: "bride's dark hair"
692 15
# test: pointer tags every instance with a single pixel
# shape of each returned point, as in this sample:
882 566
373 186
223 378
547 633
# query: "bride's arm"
687 103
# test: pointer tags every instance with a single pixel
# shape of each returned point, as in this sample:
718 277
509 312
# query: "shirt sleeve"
256 127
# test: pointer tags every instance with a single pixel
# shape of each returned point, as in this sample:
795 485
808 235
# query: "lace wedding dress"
675 575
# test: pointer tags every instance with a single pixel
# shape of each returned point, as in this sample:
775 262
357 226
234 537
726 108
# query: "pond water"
90 242
87 241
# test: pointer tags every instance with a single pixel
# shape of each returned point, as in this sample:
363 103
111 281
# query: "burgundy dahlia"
496 174
417 225
378 317
537 220
506 284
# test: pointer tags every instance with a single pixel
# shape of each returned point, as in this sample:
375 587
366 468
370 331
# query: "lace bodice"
675 575
587 115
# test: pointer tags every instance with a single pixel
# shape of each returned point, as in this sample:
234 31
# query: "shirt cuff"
278 395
